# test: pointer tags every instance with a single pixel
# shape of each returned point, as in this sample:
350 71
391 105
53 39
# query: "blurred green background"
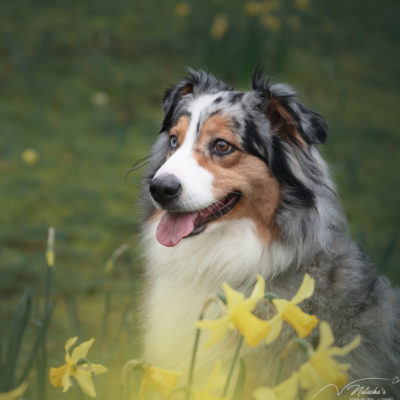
81 84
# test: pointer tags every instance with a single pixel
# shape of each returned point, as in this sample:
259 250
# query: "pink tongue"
172 228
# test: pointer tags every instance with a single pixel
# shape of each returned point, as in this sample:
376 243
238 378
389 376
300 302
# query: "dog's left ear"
289 118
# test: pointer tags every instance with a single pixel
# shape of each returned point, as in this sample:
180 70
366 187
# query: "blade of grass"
72 311
106 313
38 340
18 327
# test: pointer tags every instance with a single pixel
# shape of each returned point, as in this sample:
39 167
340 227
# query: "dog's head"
225 155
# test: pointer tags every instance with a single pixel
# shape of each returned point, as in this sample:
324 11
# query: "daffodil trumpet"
239 315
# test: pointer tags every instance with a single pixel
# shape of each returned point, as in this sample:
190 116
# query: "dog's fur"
288 222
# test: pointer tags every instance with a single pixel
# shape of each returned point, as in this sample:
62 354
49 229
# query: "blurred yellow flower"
82 373
30 156
50 256
287 390
219 26
182 9
272 22
302 4
215 381
322 369
100 99
239 315
253 8
15 393
158 380
289 311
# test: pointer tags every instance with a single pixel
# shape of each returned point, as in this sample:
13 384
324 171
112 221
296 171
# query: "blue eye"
173 142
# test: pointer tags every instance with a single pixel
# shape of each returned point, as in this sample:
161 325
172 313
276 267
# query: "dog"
236 187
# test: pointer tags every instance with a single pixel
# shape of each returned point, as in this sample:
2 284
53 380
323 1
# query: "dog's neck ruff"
228 251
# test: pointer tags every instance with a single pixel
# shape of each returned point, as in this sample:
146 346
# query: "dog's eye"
222 147
173 142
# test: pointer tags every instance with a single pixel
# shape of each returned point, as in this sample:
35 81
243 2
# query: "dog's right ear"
289 118
171 98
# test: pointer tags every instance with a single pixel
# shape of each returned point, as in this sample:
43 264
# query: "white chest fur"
181 279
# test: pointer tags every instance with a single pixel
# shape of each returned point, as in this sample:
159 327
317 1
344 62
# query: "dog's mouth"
173 227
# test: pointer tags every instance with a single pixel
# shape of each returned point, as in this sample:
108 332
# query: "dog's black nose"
165 188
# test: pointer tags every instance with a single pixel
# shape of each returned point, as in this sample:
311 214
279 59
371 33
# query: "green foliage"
81 84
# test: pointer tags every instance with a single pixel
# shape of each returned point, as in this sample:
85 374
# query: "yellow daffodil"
289 311
158 380
82 373
215 381
50 256
322 369
15 393
182 9
219 26
30 156
239 315
287 390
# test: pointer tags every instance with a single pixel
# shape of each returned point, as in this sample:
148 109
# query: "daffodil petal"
214 381
84 379
342 351
326 337
68 344
265 393
233 298
281 305
308 376
275 328
328 369
217 328
287 390
98 369
259 289
66 382
318 392
81 351
306 289
160 380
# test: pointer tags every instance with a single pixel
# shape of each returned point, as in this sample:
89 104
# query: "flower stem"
235 357
194 354
196 346
280 368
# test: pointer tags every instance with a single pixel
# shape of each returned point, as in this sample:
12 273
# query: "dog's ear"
171 98
289 118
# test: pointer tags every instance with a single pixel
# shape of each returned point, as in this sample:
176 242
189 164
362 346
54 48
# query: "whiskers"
137 165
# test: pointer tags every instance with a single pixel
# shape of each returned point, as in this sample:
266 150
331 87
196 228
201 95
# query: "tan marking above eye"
218 127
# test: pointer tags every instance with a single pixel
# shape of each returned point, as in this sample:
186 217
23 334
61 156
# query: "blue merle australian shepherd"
237 187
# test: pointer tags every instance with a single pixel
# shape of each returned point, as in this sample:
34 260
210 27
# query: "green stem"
194 354
235 357
195 348
279 374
